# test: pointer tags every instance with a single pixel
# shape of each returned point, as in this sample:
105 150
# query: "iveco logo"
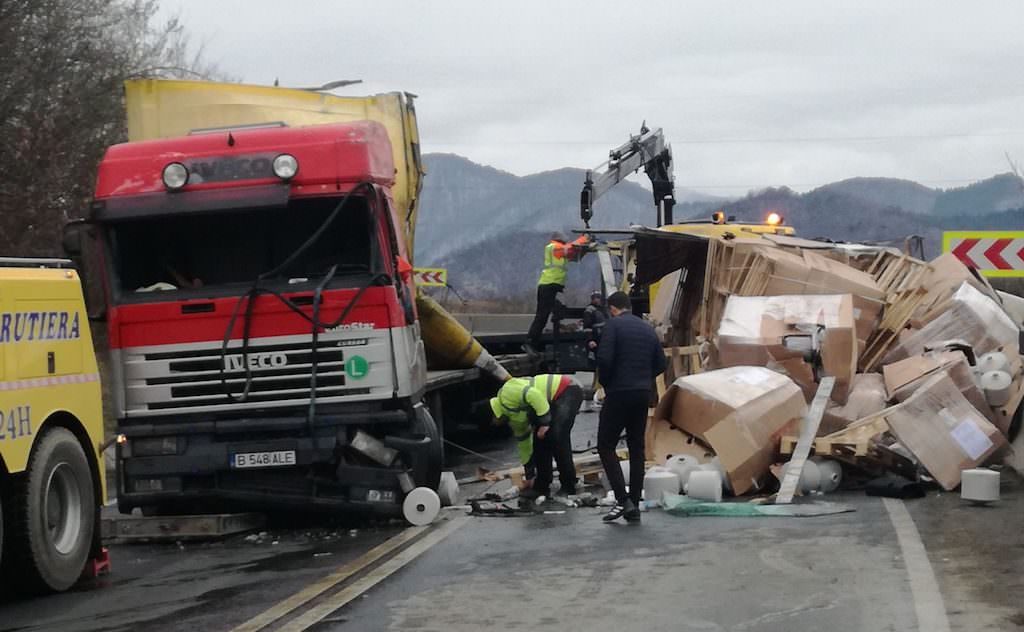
237 362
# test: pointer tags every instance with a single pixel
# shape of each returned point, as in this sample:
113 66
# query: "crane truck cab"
51 428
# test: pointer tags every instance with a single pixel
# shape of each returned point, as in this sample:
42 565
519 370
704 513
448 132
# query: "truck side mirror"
79 246
71 240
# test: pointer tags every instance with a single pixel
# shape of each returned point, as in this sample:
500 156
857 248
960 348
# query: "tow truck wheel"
55 514
1 528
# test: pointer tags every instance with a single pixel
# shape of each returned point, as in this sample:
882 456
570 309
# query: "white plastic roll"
683 465
830 474
624 466
996 385
810 477
658 481
421 506
993 361
448 489
979 485
705 485
715 465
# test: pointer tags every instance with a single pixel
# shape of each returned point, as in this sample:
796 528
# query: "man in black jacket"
629 357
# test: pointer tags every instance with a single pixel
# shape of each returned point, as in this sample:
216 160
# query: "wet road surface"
865 570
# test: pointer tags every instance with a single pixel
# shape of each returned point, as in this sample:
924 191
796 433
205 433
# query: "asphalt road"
931 564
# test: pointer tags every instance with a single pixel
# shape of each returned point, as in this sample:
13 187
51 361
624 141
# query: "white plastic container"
993 361
810 477
683 465
996 385
979 486
657 482
830 474
705 485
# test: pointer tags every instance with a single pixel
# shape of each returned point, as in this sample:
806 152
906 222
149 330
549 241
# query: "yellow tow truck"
51 427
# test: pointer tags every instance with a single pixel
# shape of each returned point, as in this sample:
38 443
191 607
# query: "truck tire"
1 528
53 515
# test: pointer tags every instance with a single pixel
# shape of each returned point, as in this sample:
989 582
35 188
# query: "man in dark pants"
629 357
557 255
541 411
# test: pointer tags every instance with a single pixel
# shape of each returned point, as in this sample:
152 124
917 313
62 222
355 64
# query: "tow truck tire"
53 515
1 528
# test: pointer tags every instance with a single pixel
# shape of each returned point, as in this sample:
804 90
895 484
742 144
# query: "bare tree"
62 65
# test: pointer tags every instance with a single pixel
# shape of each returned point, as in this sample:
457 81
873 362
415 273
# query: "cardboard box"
753 331
663 440
741 413
867 397
946 274
903 378
972 317
812 273
943 430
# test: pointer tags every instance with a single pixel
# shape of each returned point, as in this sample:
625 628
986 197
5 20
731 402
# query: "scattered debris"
925 356
684 506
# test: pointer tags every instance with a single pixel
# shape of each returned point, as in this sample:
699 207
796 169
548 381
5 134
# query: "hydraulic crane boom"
648 150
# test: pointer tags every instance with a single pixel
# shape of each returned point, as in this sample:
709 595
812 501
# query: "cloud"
751 94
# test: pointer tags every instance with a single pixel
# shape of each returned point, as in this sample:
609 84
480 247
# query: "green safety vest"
518 398
556 260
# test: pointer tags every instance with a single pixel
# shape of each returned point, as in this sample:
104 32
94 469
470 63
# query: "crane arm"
648 150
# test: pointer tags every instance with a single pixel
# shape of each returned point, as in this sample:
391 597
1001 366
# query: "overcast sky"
749 94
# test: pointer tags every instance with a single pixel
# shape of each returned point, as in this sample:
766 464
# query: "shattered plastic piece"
683 506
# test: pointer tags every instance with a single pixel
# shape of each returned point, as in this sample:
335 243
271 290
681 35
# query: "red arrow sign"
963 252
995 254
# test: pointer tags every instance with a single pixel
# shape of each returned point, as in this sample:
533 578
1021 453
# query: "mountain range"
489 227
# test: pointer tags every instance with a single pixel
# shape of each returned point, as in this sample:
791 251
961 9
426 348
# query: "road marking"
331 604
928 603
314 590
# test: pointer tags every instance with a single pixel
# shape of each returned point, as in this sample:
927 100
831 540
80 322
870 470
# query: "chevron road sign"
993 253
431 277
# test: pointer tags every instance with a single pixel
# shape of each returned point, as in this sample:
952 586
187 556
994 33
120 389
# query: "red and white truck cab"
261 320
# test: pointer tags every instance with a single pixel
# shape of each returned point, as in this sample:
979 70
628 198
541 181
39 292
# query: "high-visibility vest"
518 398
556 259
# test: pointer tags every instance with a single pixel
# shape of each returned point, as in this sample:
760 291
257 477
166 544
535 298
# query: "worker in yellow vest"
541 411
557 255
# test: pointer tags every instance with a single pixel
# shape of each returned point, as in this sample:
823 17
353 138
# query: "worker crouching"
541 411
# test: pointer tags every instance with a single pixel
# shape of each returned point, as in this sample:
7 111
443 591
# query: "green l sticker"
357 367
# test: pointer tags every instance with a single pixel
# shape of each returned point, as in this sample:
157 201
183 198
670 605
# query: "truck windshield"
206 251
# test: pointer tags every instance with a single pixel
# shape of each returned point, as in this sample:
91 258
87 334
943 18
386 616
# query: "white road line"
317 588
928 603
323 610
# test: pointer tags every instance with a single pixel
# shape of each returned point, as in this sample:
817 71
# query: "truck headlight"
286 166
175 176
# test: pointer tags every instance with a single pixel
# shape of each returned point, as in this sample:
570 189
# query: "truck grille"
190 377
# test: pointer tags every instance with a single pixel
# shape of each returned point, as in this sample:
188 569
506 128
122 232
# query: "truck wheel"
55 514
1 528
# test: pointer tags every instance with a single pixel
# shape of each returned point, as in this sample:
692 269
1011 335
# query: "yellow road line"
323 610
314 590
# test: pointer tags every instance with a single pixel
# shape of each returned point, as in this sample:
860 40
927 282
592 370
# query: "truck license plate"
280 458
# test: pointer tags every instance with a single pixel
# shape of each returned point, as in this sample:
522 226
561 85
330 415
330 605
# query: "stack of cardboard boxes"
775 320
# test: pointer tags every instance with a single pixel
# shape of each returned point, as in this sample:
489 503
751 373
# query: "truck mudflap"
274 470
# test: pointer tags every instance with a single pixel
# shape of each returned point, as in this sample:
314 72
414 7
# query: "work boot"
620 510
632 515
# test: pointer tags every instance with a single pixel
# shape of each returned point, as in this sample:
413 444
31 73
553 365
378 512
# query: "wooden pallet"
898 312
854 440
